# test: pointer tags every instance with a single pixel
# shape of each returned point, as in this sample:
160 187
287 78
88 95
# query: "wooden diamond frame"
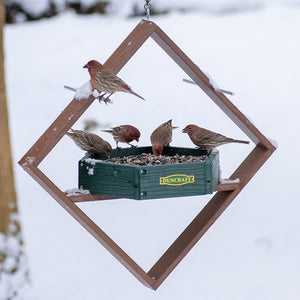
226 193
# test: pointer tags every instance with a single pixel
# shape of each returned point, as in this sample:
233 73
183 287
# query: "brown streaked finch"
105 82
124 134
161 136
207 139
90 142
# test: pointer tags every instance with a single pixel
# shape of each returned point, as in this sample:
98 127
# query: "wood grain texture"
8 198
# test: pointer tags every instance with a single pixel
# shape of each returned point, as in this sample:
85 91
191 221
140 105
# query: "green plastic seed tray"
149 182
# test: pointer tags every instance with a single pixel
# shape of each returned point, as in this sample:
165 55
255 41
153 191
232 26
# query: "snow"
252 250
92 161
126 7
84 91
35 8
226 180
14 279
215 85
90 171
76 191
130 7
273 142
29 160
96 94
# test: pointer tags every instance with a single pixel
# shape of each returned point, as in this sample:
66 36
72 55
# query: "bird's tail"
240 141
70 133
71 130
107 130
132 92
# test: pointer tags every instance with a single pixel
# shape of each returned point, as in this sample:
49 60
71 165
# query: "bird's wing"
114 79
162 134
78 137
92 139
119 133
119 130
206 136
221 138
114 83
203 135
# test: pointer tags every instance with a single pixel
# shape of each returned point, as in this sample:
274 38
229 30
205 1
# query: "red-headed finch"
124 134
104 81
90 142
161 136
207 139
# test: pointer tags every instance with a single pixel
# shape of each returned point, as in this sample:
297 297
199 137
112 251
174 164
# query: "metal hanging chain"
147 7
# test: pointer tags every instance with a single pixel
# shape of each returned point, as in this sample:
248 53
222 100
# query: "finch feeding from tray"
124 134
89 142
162 136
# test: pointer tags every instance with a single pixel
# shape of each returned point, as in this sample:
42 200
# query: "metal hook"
147 7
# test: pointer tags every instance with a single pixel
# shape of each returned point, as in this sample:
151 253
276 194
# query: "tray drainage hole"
143 172
207 180
143 194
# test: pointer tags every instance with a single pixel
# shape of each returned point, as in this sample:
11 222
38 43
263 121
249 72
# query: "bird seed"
147 159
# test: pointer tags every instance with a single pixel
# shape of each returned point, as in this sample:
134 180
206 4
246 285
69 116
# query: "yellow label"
176 179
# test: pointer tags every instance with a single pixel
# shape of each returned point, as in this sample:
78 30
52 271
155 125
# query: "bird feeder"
225 193
150 182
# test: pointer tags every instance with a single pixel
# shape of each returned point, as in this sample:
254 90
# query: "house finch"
208 139
161 136
90 142
104 81
124 134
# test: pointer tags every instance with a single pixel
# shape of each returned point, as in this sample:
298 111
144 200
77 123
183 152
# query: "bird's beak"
184 130
108 153
85 66
137 139
174 127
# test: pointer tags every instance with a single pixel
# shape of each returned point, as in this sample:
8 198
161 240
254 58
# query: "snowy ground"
252 251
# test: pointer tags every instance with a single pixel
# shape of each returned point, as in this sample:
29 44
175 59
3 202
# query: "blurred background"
30 10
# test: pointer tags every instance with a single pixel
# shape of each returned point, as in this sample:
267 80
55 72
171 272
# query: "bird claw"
132 146
105 100
208 151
